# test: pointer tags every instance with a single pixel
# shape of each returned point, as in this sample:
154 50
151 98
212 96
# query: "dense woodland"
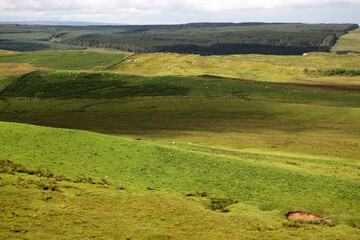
195 38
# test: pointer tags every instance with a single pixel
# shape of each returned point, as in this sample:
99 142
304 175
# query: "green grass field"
254 128
138 165
90 211
70 84
348 42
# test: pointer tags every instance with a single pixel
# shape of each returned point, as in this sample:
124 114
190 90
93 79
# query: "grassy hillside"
6 81
78 210
162 64
70 84
138 165
263 135
91 85
72 60
253 67
243 114
8 69
309 60
255 128
348 43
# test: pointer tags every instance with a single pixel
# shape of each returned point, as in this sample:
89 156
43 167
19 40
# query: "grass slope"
321 138
87 211
316 120
8 69
89 85
6 81
309 60
137 165
162 64
348 43
273 146
247 66
65 84
70 60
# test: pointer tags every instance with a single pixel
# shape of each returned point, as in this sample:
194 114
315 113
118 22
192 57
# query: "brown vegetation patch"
7 69
6 52
333 82
306 216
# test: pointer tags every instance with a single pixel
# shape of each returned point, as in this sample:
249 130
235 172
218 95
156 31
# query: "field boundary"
131 55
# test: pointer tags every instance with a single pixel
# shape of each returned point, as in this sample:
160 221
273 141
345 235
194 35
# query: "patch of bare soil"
306 216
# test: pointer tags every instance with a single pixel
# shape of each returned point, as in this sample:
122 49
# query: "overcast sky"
182 11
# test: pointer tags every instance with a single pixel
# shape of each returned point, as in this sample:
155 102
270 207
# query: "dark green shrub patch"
85 180
333 72
8 166
221 203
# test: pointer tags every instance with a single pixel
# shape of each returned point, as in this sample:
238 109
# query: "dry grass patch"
6 52
164 64
7 69
334 81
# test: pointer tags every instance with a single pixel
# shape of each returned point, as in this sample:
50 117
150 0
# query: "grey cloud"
176 11
169 5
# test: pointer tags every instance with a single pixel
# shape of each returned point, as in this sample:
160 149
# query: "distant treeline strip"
220 41
22 46
132 45
237 48
195 38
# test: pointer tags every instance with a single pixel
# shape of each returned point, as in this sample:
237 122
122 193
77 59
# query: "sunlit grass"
139 165
255 129
162 64
348 43
88 211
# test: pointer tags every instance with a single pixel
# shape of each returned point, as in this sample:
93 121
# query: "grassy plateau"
175 146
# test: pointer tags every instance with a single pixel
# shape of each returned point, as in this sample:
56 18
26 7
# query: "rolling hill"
178 146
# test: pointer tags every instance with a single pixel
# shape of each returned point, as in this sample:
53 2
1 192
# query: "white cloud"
193 5
118 10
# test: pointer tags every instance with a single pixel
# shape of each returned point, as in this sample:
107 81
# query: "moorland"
121 145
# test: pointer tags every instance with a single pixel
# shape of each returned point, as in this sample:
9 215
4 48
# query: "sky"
182 11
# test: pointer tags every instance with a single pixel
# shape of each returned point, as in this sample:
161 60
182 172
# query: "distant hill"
59 23
193 38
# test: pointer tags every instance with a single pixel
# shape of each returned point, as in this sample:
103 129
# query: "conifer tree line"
195 38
